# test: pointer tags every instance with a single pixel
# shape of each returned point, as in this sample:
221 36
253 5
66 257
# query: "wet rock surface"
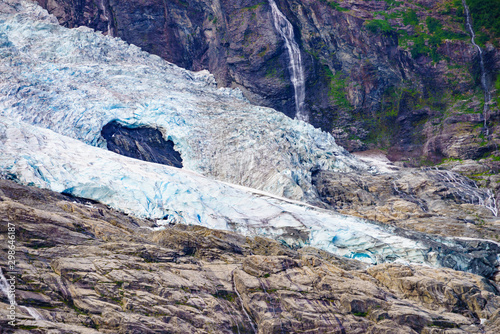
141 143
433 201
100 271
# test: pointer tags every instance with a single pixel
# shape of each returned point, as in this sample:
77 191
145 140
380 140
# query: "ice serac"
76 81
36 156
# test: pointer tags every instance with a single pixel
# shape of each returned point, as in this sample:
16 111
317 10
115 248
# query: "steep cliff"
402 76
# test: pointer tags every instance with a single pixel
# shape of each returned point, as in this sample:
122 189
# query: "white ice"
74 81
43 158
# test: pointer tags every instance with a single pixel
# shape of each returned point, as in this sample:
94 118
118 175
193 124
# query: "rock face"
141 143
128 93
87 269
431 201
392 74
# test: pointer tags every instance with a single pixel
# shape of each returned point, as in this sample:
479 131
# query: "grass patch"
337 90
485 14
360 314
252 8
410 18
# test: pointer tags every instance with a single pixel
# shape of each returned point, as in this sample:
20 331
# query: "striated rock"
425 200
105 272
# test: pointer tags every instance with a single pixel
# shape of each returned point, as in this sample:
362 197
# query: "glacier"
246 168
75 81
40 157
43 158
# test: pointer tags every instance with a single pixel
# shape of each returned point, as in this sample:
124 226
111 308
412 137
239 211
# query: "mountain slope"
398 75
77 81
88 269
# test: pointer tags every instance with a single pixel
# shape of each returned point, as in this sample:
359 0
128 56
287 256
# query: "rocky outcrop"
141 143
433 201
391 74
88 269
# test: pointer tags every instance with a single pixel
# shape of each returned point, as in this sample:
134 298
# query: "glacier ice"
49 160
60 86
75 81
41 157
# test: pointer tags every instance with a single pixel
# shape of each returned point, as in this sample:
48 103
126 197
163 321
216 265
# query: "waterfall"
487 95
465 190
285 29
4 287
110 29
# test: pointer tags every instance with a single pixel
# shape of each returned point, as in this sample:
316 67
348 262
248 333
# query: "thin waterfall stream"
285 29
487 95
5 288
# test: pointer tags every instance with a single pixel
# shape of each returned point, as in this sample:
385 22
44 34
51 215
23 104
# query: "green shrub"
435 40
433 24
334 5
337 85
377 26
410 17
419 48
446 34
486 13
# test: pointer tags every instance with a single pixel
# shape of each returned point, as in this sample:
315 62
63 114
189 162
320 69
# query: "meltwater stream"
4 287
487 95
285 29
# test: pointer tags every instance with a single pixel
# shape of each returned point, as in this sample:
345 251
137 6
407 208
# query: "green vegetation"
419 48
27 328
254 7
212 18
495 157
360 314
227 295
337 89
393 15
334 5
433 24
410 17
486 14
445 34
390 101
379 26
274 69
426 44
